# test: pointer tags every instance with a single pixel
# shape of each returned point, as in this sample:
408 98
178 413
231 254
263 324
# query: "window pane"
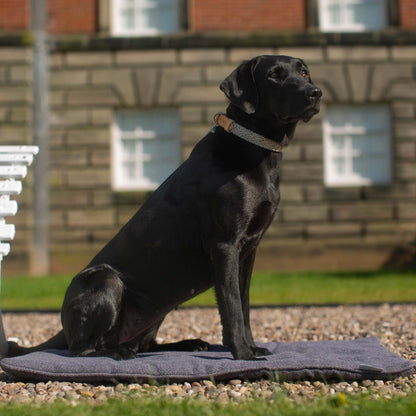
360 155
148 148
129 169
339 165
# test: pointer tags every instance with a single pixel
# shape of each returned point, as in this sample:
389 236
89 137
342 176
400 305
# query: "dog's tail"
57 342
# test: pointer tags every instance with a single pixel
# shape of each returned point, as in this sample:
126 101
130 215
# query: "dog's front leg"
225 261
245 272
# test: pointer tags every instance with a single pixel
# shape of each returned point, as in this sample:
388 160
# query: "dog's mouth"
305 115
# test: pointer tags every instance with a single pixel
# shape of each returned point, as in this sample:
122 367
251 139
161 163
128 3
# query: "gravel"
394 325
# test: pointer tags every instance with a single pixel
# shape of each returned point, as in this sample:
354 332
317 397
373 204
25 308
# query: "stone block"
103 197
140 58
193 133
331 79
357 53
94 96
88 59
404 53
307 212
89 178
56 60
18 94
279 230
362 211
406 150
216 74
20 114
384 75
302 172
68 117
309 54
101 116
406 210
334 230
292 153
359 80
10 54
172 79
291 193
238 55
405 129
200 94
91 217
117 79
405 170
14 134
89 137
66 198
314 152
68 157
398 190
100 157
191 114
202 56
4 114
146 79
66 77
403 110
20 74
402 90
56 98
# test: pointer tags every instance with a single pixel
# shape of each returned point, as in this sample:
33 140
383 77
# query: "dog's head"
274 86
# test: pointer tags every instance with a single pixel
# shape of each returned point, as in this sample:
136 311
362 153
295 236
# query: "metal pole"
3 341
39 259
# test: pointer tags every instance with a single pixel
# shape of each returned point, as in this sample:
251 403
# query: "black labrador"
199 229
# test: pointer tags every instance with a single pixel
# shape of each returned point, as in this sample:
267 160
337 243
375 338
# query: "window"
352 15
146 148
145 17
357 143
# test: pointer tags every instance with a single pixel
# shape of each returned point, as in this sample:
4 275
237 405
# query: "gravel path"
394 325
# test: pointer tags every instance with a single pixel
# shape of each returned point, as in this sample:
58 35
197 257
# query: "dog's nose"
315 94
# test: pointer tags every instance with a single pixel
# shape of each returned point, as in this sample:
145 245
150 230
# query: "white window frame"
348 133
118 28
139 182
346 25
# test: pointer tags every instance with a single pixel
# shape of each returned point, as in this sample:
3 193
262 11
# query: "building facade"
134 85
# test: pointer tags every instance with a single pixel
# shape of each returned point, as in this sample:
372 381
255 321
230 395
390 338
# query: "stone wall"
316 226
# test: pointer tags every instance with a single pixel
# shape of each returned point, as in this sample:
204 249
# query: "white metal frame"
346 25
347 152
140 182
118 28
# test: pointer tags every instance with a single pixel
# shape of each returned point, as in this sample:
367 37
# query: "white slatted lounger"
13 166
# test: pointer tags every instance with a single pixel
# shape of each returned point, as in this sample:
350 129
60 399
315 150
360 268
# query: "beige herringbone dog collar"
231 126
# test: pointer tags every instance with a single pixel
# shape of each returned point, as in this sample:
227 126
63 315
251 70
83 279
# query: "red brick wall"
73 16
14 14
408 14
247 15
65 16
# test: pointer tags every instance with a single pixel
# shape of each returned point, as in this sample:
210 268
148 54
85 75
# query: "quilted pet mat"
357 359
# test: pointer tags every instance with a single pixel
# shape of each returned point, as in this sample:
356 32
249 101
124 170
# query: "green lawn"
266 289
324 406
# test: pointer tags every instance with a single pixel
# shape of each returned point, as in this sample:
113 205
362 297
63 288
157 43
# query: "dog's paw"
194 345
260 352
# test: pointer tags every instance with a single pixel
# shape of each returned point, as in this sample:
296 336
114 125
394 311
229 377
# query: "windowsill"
187 40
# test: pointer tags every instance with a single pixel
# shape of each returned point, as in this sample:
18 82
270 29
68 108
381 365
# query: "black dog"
199 229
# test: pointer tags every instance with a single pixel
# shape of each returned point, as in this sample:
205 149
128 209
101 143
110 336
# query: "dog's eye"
274 75
304 73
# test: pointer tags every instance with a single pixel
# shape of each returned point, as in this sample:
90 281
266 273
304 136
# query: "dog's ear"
240 86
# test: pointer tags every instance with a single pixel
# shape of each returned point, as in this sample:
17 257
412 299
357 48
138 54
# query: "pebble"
392 324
